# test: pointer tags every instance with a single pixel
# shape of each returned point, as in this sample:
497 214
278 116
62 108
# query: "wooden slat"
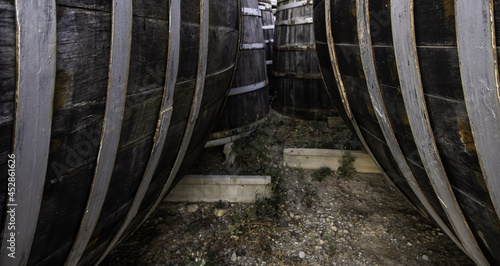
196 104
340 83
163 120
479 71
113 117
36 72
368 61
411 85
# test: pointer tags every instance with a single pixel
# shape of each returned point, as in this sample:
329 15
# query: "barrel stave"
438 64
83 59
7 92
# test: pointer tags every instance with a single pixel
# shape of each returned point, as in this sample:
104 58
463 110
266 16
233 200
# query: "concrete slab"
212 188
317 158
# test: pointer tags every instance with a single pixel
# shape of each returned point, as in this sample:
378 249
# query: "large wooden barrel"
297 88
248 100
419 83
267 20
102 105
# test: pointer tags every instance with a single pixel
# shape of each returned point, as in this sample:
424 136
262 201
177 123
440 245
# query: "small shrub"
320 174
346 168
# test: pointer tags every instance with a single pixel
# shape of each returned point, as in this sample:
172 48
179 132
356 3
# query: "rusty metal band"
368 62
295 21
252 46
293 4
292 47
268 27
479 70
296 75
248 11
115 105
164 120
248 88
198 96
411 84
36 72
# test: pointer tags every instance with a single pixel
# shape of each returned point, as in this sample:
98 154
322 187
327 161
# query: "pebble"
409 244
192 208
302 254
425 257
219 212
234 257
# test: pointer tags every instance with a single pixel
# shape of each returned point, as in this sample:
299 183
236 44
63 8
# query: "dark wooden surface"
83 49
244 109
268 21
304 97
441 80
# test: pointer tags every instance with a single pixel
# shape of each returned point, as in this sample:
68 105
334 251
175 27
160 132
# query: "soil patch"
312 218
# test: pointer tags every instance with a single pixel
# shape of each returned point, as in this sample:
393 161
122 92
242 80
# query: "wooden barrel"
267 20
297 88
418 81
102 105
248 100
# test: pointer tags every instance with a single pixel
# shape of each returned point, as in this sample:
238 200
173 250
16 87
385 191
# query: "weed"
346 168
320 174
309 196
202 258
234 231
300 174
331 247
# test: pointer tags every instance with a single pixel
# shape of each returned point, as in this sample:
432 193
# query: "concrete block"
317 158
212 188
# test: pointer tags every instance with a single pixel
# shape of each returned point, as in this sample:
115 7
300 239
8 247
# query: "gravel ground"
341 220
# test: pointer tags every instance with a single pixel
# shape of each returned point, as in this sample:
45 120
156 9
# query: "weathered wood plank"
368 61
36 68
296 85
411 85
479 69
113 117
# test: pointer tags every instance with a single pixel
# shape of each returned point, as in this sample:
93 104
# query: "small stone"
321 242
220 212
302 254
178 252
334 228
292 215
425 257
234 257
409 244
192 208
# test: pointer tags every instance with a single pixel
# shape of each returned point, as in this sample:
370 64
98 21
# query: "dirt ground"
314 217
